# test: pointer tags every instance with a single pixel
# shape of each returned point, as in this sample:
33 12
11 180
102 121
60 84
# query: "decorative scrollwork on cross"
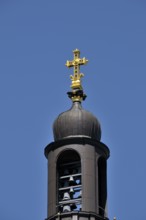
76 63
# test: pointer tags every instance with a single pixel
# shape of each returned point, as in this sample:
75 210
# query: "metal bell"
66 196
71 181
71 190
66 208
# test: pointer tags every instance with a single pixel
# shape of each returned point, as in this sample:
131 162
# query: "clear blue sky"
36 39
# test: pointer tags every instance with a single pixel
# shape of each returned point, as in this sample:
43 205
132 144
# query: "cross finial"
76 62
77 93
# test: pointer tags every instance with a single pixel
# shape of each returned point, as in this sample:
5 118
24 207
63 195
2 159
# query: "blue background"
36 39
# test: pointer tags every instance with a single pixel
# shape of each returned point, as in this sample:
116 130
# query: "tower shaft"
77 161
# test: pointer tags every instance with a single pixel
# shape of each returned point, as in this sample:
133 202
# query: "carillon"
69 181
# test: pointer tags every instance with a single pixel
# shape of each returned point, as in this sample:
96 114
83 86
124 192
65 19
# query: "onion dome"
76 122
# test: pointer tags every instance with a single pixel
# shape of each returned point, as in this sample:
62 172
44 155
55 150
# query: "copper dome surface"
76 122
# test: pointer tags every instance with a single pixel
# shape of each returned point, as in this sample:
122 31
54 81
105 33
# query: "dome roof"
76 122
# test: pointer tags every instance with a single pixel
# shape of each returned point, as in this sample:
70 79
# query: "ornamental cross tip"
76 63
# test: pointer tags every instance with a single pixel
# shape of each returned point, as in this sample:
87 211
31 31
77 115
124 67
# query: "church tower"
77 170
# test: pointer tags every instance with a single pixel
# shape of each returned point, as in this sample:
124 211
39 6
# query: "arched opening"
69 181
102 185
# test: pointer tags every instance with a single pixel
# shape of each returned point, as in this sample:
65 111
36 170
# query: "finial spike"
76 77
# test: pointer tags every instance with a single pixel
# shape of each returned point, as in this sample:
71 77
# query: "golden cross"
76 63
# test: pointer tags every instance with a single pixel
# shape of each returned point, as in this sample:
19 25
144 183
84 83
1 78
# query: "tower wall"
89 151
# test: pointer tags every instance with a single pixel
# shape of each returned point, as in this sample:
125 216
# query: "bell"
66 196
66 208
71 190
80 194
71 181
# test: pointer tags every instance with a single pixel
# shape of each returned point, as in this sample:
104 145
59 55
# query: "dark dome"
76 122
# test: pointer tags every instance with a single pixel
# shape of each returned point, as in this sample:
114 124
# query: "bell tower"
77 159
